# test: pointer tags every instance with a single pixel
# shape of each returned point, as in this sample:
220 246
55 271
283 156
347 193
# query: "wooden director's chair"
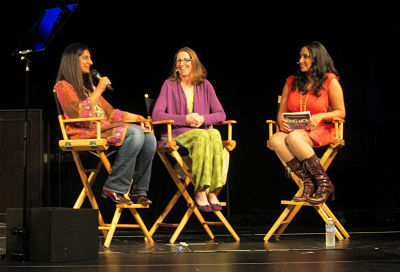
99 148
170 147
293 207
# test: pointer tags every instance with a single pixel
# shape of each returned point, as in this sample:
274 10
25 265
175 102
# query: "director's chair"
99 148
293 207
169 147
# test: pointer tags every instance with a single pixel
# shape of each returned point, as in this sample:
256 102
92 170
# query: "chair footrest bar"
108 226
135 206
92 171
168 225
128 226
213 223
296 203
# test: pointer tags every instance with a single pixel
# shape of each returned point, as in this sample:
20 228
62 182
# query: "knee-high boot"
297 168
324 185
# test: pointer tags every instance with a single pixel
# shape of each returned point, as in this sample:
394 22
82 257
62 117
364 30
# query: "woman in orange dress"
314 87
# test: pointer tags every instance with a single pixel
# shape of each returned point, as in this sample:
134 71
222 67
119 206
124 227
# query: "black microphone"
96 75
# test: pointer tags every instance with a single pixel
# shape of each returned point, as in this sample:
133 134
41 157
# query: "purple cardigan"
171 104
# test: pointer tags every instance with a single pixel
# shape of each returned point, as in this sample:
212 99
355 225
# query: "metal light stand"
24 232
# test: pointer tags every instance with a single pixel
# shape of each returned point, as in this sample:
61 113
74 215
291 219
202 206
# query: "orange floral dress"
324 132
113 127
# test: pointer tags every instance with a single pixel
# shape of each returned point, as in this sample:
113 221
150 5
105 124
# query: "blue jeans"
133 161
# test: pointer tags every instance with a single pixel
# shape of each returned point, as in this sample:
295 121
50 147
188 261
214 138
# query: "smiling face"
183 64
85 62
305 60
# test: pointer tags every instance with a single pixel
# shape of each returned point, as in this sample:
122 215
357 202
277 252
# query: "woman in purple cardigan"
189 99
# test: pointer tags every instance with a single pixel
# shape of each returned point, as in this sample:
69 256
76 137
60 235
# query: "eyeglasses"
185 61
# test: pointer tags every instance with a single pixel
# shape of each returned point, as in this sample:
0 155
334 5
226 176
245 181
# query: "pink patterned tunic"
113 127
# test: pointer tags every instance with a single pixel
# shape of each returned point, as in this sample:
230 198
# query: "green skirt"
205 149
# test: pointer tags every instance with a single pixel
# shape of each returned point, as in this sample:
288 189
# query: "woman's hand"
315 120
132 116
283 126
102 85
194 119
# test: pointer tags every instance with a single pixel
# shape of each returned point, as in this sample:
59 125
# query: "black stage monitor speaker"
54 234
12 159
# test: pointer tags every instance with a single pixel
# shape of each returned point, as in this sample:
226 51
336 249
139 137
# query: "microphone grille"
95 74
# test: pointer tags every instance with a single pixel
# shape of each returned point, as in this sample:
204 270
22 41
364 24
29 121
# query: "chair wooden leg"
184 221
141 224
278 222
181 225
182 191
114 223
325 217
113 226
203 222
90 181
105 161
338 225
285 223
164 214
227 225
88 189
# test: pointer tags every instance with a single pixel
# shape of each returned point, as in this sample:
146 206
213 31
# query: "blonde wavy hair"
198 73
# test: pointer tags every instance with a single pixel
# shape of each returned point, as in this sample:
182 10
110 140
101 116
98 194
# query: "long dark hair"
70 70
322 64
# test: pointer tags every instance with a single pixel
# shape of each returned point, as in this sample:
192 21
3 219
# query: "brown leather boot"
324 185
297 168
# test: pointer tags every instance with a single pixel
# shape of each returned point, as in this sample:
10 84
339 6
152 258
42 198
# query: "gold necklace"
303 106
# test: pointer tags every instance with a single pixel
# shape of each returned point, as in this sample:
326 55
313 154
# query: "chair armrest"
228 144
337 119
338 128
138 120
169 127
226 122
62 121
229 123
271 124
162 122
73 120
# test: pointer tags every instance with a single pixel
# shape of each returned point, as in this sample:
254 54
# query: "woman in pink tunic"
78 97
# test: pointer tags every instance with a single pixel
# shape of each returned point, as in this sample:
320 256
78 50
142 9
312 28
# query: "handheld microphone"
96 75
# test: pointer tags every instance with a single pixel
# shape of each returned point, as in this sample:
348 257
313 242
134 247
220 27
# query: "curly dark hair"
322 64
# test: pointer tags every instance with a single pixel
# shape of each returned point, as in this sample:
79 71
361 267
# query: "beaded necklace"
303 106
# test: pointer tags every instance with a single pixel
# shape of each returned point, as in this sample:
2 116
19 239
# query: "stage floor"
295 251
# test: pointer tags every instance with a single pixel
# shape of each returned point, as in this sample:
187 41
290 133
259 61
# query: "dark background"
248 49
